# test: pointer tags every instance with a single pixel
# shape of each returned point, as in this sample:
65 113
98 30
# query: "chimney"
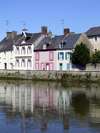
8 35
66 31
44 30
14 33
50 33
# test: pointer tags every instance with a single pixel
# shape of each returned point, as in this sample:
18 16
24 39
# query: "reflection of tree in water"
80 104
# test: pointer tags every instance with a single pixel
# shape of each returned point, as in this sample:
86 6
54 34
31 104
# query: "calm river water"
27 107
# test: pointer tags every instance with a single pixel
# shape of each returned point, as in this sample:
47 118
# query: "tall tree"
81 55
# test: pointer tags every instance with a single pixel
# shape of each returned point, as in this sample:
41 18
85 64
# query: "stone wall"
44 74
92 67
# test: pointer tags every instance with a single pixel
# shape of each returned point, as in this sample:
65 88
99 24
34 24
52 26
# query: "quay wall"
45 73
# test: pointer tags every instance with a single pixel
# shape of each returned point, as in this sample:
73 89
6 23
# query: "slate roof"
70 39
7 44
33 38
52 40
94 31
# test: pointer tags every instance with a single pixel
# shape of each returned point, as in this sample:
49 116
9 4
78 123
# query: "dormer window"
44 46
61 45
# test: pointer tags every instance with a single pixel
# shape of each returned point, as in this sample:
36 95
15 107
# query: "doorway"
60 66
47 66
5 65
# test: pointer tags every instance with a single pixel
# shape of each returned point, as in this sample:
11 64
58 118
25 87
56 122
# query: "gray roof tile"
52 40
71 39
7 44
94 31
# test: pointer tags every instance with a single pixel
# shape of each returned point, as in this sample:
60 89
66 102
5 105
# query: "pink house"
45 53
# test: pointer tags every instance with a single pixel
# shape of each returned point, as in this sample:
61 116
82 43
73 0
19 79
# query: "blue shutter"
58 55
66 56
68 66
62 55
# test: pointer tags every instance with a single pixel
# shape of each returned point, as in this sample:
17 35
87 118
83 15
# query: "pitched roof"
52 40
33 38
94 31
70 40
7 44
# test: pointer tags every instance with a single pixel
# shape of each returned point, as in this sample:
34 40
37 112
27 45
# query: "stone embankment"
62 76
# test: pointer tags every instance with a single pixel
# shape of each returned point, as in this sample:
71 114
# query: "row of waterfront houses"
44 51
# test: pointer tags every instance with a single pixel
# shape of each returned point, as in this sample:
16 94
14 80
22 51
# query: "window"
29 50
23 50
51 66
5 54
61 45
61 56
17 50
95 39
51 56
37 56
11 54
42 66
17 63
29 63
37 66
44 46
11 64
23 63
95 50
67 55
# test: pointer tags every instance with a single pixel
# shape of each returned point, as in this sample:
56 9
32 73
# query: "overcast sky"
78 15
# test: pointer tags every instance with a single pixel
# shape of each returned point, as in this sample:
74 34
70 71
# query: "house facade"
24 49
54 52
45 53
6 50
93 35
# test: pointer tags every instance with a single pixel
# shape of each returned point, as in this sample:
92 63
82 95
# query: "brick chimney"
44 30
66 31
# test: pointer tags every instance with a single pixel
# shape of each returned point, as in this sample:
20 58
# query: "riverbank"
54 76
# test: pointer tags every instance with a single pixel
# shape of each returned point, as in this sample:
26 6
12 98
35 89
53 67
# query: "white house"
6 50
24 49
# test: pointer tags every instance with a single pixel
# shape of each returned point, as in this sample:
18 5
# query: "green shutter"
66 56
58 55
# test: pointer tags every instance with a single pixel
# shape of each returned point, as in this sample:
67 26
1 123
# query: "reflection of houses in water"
63 100
24 98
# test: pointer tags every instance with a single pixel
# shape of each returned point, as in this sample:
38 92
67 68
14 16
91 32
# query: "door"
5 65
60 66
47 66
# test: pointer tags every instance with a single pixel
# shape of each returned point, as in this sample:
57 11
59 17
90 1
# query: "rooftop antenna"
24 23
63 25
7 24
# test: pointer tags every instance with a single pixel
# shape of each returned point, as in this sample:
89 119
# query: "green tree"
80 55
95 57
